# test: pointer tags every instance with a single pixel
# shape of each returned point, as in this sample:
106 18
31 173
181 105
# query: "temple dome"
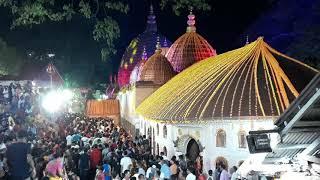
189 48
135 74
251 82
157 68
133 53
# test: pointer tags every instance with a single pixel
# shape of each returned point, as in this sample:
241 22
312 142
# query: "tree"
106 29
10 61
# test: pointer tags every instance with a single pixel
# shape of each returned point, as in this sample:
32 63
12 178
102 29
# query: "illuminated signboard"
259 143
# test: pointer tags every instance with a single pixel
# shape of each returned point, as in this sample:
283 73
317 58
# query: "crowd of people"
76 147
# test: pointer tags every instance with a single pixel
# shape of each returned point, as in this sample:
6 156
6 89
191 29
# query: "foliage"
106 30
69 81
10 61
179 5
97 94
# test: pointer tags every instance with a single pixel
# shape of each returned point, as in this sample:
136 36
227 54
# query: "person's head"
100 146
58 154
161 153
141 177
22 135
181 157
210 172
126 174
233 169
125 153
174 158
136 170
222 163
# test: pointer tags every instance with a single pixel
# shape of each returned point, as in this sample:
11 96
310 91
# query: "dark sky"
222 27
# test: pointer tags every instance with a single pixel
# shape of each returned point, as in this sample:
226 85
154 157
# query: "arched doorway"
165 151
193 150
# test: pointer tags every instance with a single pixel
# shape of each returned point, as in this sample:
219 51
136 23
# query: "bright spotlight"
52 102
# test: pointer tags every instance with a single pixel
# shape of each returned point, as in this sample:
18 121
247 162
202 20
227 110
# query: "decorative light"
50 55
247 81
52 101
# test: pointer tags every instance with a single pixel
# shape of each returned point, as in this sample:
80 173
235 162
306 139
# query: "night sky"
223 27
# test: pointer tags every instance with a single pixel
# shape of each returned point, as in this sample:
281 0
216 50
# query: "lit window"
221 138
242 139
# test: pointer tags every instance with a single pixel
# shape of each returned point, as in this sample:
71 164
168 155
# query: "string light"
244 82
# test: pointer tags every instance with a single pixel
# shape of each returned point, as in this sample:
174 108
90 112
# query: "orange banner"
103 108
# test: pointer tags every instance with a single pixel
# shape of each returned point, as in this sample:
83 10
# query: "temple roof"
189 48
157 68
135 74
132 55
255 81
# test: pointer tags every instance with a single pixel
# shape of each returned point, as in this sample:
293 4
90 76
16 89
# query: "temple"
140 48
192 101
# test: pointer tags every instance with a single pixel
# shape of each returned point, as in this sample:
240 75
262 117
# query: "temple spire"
191 22
151 22
158 46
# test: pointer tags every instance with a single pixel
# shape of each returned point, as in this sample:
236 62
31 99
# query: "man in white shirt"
125 162
151 172
69 140
190 175
85 140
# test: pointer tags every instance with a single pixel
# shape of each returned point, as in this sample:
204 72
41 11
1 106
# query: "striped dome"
189 48
132 55
254 81
157 69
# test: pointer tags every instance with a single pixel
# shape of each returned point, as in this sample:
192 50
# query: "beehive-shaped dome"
251 82
157 68
133 53
189 48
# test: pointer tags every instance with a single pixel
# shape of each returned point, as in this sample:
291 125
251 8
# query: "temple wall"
205 134
129 100
142 92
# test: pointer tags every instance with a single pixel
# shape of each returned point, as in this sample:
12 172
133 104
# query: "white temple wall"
232 151
205 134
